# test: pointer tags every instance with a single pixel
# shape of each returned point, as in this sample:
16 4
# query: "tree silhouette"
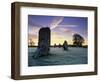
78 40
31 42
55 45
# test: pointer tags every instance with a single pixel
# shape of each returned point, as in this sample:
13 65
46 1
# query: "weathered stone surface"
43 42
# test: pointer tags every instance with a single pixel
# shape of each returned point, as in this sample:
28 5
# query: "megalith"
43 42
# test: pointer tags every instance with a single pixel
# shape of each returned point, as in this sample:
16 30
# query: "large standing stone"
43 42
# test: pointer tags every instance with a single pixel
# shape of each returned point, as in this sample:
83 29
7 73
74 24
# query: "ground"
58 56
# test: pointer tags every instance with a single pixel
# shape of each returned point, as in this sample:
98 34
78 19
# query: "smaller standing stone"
59 45
65 45
55 45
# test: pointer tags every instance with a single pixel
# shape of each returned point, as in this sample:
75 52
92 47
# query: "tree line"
78 41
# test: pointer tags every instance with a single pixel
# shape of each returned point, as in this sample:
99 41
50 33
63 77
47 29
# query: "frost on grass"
57 56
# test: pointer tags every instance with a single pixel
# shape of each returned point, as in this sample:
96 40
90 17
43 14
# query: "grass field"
74 55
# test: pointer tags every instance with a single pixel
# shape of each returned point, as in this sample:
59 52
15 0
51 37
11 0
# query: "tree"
31 43
78 40
55 45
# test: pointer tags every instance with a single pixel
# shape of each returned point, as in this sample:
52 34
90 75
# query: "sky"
62 28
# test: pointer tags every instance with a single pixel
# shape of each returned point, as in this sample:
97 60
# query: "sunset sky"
62 28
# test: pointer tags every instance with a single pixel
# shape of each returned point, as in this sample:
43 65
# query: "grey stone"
43 42
65 45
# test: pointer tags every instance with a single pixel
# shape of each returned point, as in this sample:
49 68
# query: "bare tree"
55 45
31 42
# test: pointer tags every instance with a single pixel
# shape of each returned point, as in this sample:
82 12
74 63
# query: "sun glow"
62 28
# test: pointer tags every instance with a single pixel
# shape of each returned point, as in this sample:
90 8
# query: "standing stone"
55 45
59 45
65 45
44 37
43 42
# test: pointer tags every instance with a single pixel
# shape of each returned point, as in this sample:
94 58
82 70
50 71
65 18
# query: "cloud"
33 30
56 22
65 30
68 25
31 36
32 22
